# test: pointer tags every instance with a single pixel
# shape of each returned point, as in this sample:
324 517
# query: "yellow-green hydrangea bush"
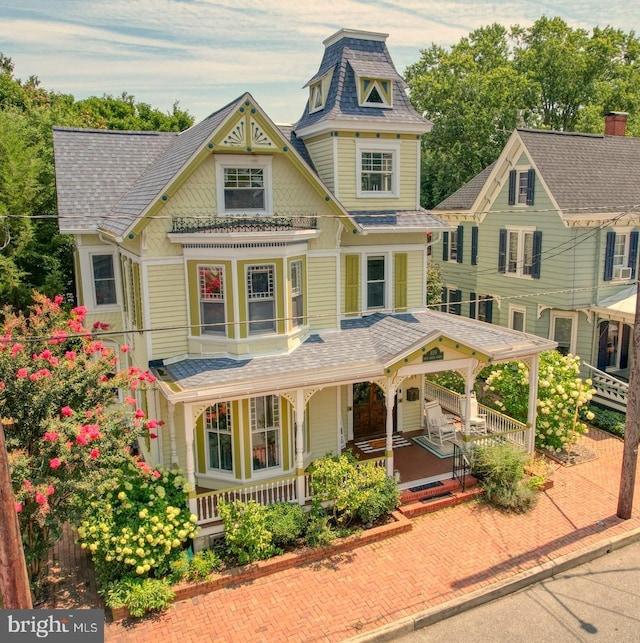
140 525
562 394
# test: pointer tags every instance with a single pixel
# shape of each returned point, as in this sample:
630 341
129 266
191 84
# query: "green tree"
33 254
66 433
434 284
548 76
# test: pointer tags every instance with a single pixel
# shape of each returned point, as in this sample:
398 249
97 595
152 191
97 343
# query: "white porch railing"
279 490
498 424
610 391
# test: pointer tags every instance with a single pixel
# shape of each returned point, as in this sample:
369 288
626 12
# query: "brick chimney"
615 123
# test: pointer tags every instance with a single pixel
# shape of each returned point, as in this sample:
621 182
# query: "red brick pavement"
446 555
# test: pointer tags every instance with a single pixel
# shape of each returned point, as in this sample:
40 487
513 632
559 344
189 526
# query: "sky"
203 54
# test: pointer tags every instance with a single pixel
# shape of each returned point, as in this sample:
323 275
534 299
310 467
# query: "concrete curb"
541 572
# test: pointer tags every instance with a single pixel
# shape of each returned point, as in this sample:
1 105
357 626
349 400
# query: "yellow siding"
411 411
409 179
321 293
321 153
415 279
322 422
167 309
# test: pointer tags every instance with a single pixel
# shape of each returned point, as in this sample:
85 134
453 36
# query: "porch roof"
361 349
622 305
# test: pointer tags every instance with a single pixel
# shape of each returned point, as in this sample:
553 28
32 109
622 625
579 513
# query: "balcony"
242 224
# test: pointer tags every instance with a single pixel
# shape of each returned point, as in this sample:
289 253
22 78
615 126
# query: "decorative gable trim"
247 132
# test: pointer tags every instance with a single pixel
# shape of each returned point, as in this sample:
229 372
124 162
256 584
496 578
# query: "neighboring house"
546 239
273 278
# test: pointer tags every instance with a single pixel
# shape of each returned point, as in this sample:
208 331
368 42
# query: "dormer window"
318 91
374 92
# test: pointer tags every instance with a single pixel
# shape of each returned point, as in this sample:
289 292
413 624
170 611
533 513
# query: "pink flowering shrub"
67 435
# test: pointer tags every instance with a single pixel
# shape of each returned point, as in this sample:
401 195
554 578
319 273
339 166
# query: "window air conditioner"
621 272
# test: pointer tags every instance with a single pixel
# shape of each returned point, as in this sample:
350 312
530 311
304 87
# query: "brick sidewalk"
446 555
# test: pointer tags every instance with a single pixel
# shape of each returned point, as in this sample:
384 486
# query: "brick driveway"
446 555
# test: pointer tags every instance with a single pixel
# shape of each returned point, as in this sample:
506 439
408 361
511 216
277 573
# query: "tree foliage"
547 76
33 255
66 435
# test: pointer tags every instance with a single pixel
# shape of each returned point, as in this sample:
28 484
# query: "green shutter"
137 295
200 445
400 286
352 284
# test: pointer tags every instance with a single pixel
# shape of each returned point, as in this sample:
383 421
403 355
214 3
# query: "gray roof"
398 220
362 346
107 178
367 57
464 198
96 168
587 172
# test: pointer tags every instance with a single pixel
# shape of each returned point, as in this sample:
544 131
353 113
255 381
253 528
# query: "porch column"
534 365
299 415
190 472
466 412
390 394
171 421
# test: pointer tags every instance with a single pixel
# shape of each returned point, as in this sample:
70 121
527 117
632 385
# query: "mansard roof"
351 53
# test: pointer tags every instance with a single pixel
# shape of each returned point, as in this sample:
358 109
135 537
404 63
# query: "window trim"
207 430
86 286
253 429
273 297
201 301
322 85
296 265
380 147
376 83
384 280
523 311
562 314
520 259
228 161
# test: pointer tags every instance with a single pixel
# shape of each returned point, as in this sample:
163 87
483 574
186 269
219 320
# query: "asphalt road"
598 601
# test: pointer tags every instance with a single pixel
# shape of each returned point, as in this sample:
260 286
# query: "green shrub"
139 595
501 470
361 491
203 564
319 532
245 531
448 379
608 420
286 521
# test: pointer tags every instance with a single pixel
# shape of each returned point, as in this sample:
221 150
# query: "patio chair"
439 427
477 420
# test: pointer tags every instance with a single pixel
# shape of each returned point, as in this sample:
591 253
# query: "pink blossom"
96 325
125 348
22 373
58 299
67 411
46 354
131 401
70 355
81 439
59 336
139 413
133 385
2 386
27 485
94 454
51 436
156 474
54 361
88 414
98 410
103 378
153 436
41 499
152 424
55 463
15 349
18 506
79 311
50 490
34 376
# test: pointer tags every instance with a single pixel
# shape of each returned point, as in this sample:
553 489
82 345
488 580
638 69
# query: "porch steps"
448 494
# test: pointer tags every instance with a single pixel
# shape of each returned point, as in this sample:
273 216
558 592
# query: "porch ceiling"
362 349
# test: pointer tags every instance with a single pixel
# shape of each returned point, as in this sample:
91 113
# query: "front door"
369 410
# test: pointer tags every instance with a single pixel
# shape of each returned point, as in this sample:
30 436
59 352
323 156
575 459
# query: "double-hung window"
265 432
297 302
563 331
243 185
261 298
377 169
517 318
211 290
520 252
376 283
104 279
218 426
522 187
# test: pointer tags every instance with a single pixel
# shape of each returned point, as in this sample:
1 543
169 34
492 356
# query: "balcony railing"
217 225
610 391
